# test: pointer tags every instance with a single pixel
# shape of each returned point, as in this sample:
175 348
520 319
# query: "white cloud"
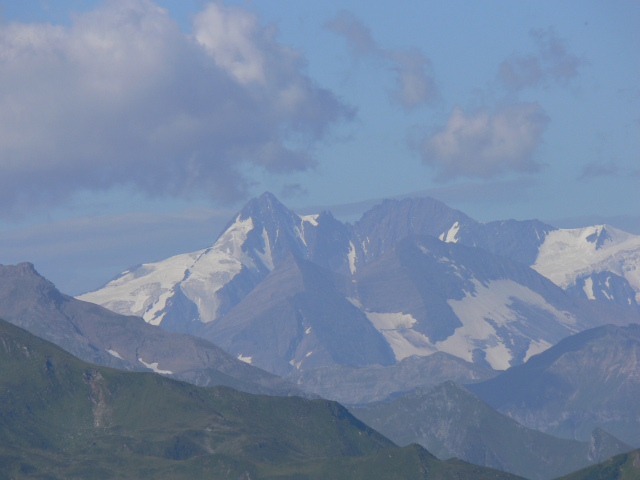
415 85
123 97
551 62
485 144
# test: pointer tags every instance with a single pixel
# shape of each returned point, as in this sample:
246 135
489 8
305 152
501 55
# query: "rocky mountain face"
298 318
97 335
384 225
371 383
588 380
450 421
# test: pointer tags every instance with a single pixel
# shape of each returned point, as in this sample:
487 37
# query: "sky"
132 130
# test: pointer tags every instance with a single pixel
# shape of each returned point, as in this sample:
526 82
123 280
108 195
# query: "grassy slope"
64 418
620 467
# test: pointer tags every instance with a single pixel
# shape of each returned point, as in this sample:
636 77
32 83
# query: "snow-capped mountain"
426 295
412 277
422 296
598 262
384 225
204 285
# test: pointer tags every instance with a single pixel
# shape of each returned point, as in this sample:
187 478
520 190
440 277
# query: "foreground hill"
100 336
64 418
589 380
450 421
621 467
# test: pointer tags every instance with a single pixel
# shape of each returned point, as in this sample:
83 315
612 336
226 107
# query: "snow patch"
451 234
307 331
154 366
396 329
390 321
355 302
244 359
568 254
406 343
266 256
312 219
352 258
144 291
136 292
364 246
216 267
493 302
536 347
115 354
588 288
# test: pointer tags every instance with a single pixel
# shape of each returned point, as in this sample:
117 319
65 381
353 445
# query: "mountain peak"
266 201
264 209
24 268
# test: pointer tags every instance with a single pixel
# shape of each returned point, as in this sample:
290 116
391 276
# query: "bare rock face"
586 381
372 383
300 318
450 421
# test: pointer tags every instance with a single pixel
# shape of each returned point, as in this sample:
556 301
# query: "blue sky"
132 130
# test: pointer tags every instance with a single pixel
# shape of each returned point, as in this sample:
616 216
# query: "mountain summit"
204 285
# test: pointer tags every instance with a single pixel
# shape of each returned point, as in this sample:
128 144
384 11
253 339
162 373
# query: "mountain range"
462 426
412 295
289 293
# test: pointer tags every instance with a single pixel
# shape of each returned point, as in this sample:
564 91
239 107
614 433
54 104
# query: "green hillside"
621 467
64 418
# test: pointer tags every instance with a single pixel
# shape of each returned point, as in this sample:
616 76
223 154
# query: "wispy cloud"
551 61
485 144
124 97
596 169
415 86
290 190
